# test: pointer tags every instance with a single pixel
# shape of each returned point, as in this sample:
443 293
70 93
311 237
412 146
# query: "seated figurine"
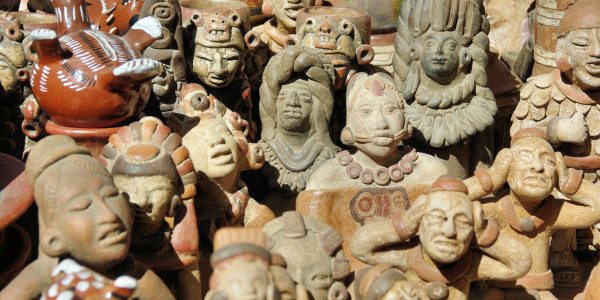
216 138
150 165
383 282
382 175
81 216
311 251
296 103
431 243
532 211
241 266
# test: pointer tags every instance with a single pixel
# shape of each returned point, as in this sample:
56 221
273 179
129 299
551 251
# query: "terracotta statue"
563 104
431 243
217 54
14 78
312 253
276 32
532 211
381 175
241 266
342 34
383 282
82 216
296 104
440 68
217 141
71 280
150 165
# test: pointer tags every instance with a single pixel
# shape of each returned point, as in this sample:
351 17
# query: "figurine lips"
220 154
292 113
325 41
291 10
382 138
593 66
536 180
114 234
217 79
439 60
446 244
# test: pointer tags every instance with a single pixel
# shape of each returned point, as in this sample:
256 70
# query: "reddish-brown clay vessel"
91 79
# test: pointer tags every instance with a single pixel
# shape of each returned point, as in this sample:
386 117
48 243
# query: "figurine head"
13 60
375 120
82 214
241 265
383 282
578 45
312 253
285 11
532 175
215 136
440 54
149 164
446 227
343 34
219 48
296 96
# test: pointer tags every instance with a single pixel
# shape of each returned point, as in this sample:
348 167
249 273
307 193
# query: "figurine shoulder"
327 175
428 168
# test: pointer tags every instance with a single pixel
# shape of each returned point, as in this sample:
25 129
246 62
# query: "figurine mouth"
593 67
325 41
292 113
439 61
291 10
535 181
220 154
217 79
382 138
115 234
446 244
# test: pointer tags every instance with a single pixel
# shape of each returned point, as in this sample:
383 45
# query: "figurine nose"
142 196
215 138
325 28
292 99
536 164
448 228
105 214
217 65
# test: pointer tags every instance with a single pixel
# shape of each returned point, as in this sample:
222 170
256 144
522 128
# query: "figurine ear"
175 205
347 137
563 63
51 243
267 8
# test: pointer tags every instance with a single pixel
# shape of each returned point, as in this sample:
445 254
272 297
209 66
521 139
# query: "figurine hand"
479 221
501 164
561 169
572 130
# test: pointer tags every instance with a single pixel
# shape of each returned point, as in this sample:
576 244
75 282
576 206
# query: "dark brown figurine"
150 165
81 216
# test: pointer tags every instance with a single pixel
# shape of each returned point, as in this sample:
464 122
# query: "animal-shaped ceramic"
89 79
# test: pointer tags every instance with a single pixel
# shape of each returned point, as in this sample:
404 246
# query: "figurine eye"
80 203
581 42
430 44
306 97
309 24
450 46
525 156
390 110
437 216
204 56
548 160
462 221
109 192
346 28
366 110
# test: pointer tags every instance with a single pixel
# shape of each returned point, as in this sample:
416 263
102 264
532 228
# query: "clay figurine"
296 103
563 103
217 55
241 266
150 165
71 280
383 282
275 33
440 69
431 243
82 216
342 34
112 16
217 141
532 211
312 253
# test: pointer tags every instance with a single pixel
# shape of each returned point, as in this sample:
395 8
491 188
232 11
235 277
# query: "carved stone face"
378 119
150 198
93 219
403 290
439 54
242 278
583 49
532 173
217 67
213 148
286 11
331 35
294 107
446 228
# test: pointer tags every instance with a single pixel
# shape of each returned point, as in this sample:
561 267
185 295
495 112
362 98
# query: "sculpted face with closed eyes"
217 67
532 173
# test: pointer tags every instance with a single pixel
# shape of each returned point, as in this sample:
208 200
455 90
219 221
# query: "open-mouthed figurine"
296 103
149 164
442 243
532 211
217 55
241 266
82 216
216 138
440 68
312 255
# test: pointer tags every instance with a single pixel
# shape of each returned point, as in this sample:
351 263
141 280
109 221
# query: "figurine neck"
525 203
374 161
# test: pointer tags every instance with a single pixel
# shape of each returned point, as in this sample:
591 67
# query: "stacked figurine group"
300 149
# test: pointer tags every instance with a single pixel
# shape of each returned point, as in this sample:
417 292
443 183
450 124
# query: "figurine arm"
31 281
489 180
150 286
373 236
